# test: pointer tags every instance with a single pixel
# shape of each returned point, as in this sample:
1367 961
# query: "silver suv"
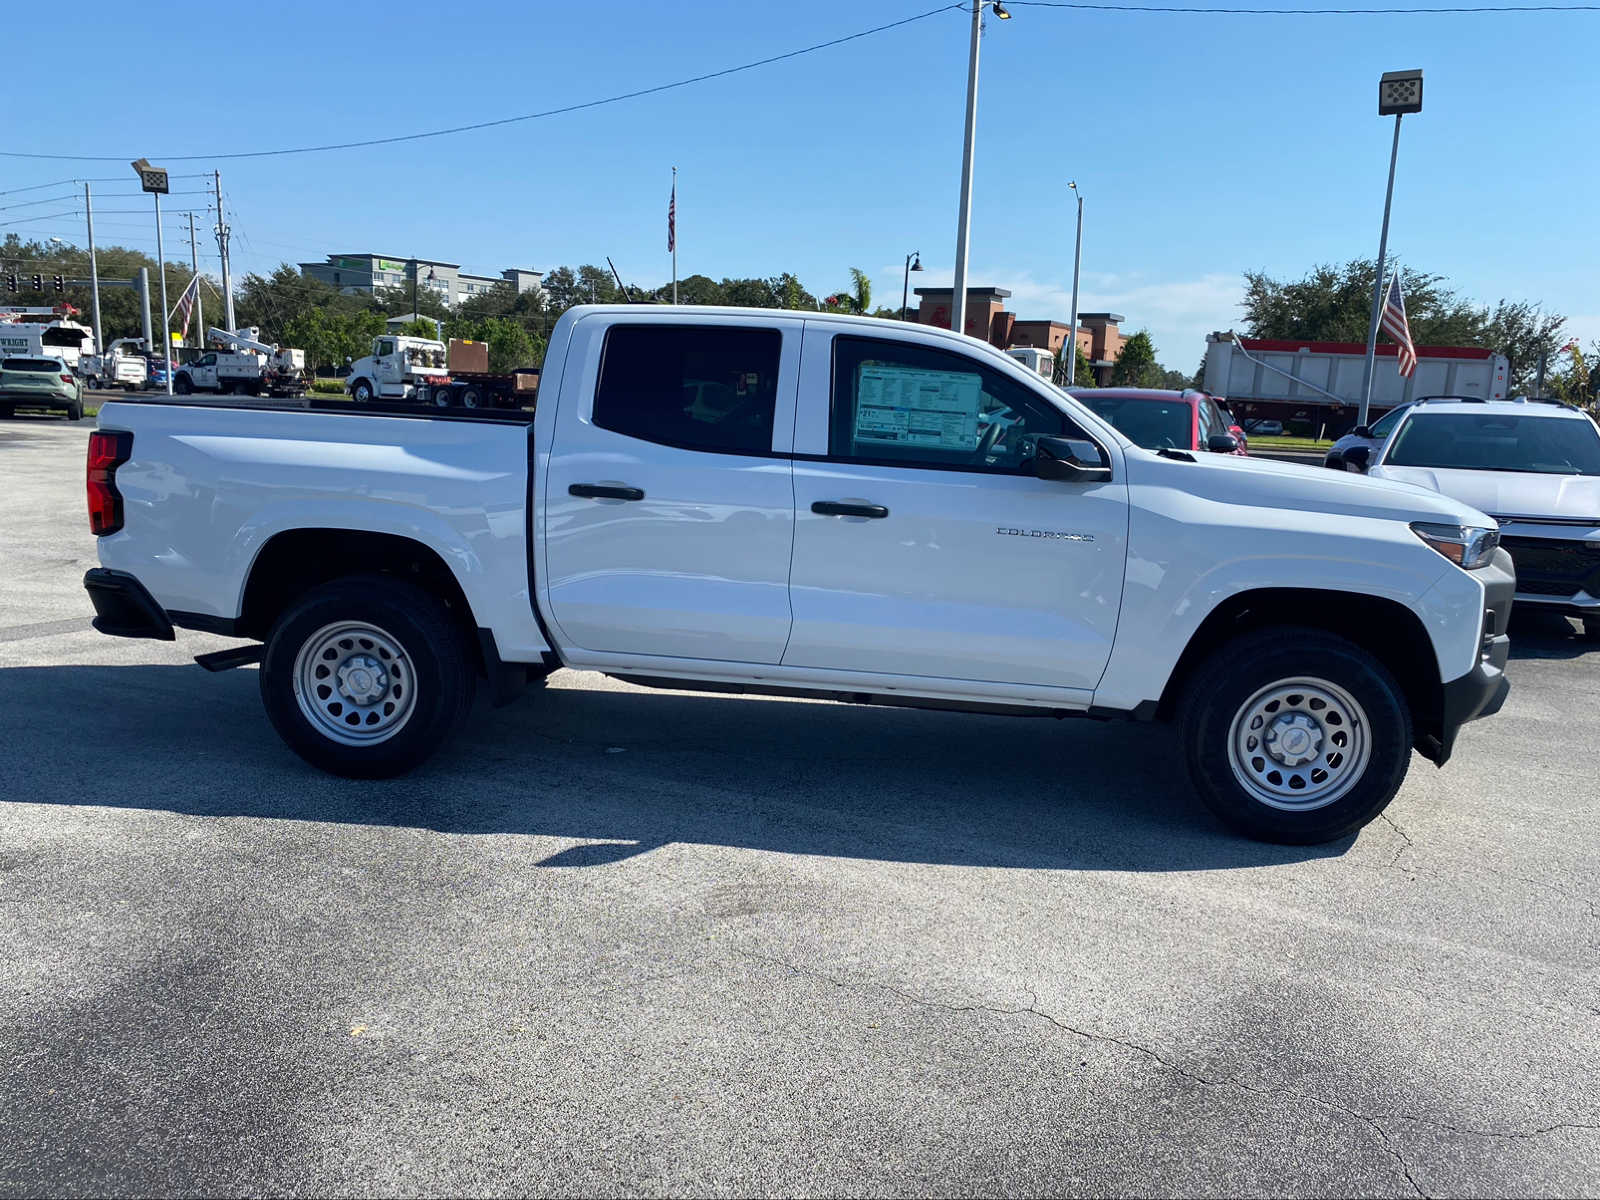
1532 465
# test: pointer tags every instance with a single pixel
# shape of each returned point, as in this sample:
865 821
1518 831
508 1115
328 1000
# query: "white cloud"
1177 312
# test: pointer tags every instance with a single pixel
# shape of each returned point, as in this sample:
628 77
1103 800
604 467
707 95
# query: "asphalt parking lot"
626 941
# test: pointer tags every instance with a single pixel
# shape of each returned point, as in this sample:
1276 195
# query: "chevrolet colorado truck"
791 503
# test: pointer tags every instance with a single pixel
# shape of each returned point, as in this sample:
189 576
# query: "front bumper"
124 608
1482 691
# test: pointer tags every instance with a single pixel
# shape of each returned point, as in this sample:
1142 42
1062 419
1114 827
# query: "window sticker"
906 406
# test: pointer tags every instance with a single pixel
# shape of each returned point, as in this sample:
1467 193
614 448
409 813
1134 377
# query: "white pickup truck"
869 511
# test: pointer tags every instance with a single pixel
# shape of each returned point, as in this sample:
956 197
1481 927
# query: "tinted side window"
897 402
698 387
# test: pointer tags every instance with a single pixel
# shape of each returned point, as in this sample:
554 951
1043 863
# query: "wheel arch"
293 561
1385 628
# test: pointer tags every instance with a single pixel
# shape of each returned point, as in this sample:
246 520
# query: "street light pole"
1399 93
1077 258
161 270
94 272
905 287
958 302
958 298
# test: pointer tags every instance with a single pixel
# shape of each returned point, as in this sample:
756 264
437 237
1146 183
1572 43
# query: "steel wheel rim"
354 683
1299 744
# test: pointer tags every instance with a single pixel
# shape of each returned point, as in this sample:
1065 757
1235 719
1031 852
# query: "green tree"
791 294
1573 382
1136 365
1083 373
510 344
858 299
330 335
1334 303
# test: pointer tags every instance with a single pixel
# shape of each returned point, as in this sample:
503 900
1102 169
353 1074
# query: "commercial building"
353 273
1099 335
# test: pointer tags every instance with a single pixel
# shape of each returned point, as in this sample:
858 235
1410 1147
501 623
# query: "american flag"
672 217
1394 324
185 304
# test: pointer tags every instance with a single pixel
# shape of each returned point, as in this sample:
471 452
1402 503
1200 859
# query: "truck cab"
396 368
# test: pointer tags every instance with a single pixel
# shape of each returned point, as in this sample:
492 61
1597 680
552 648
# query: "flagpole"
1377 287
674 235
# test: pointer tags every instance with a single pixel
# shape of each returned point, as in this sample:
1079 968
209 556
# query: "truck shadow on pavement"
624 772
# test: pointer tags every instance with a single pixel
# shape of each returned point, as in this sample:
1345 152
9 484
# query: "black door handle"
600 491
838 508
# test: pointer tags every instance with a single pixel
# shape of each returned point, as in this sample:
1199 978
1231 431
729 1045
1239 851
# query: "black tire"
471 396
1591 628
361 392
434 660
439 396
182 385
92 383
1247 669
7 412
75 411
1335 464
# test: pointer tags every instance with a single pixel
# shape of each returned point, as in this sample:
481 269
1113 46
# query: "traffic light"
38 283
61 284
11 281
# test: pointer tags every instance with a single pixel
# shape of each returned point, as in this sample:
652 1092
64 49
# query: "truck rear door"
924 544
668 502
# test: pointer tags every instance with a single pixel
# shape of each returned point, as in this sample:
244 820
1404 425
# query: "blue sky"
1205 145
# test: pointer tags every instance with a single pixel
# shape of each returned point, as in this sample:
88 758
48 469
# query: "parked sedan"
39 383
1371 437
1165 420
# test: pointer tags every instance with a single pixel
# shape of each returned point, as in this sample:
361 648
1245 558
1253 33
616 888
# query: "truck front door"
924 543
389 367
668 506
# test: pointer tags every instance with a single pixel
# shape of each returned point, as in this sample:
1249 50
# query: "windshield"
1495 441
1153 424
1382 427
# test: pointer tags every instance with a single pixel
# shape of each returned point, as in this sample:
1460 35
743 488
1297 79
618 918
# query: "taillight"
66 379
107 452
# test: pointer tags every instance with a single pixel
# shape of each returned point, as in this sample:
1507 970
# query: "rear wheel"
1295 735
75 411
1591 628
441 395
471 397
367 676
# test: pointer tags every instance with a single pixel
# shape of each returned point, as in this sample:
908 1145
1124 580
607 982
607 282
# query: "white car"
1532 465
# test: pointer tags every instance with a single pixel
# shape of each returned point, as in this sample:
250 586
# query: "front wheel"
182 385
361 392
1295 735
367 676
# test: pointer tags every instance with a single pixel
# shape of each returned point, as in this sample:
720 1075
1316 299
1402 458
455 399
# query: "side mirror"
1222 443
1070 460
348 360
1361 431
1359 457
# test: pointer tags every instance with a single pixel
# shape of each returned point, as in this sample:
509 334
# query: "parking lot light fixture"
913 263
1399 93
958 298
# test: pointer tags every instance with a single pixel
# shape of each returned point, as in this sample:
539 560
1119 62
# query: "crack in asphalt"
1405 842
1375 1123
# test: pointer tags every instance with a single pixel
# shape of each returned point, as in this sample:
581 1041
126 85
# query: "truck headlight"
1468 546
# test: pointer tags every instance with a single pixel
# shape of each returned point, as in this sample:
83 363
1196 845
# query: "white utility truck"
252 367
416 370
49 337
124 364
873 511
399 368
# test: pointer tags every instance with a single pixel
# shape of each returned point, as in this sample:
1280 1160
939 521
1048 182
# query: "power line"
34 187
549 112
1309 12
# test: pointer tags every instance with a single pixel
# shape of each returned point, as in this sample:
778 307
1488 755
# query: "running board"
226 660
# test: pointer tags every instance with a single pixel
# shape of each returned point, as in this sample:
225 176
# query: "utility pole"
94 273
222 252
199 305
166 327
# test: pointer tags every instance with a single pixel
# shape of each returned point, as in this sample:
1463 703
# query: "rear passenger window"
698 387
